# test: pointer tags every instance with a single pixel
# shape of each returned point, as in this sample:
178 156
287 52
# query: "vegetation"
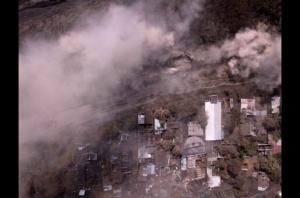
167 145
246 147
270 165
222 19
272 123
176 152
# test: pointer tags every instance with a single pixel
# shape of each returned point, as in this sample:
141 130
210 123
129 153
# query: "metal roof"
213 130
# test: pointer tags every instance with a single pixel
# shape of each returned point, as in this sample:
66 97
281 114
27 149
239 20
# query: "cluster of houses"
253 113
86 170
198 155
196 161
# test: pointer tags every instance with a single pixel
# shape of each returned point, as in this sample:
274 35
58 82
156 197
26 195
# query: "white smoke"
84 64
250 51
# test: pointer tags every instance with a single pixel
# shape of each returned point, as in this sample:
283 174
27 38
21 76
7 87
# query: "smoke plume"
251 51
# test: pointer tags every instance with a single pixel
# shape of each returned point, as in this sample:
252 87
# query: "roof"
213 130
247 129
191 162
275 104
149 170
141 118
213 180
107 188
194 129
159 125
193 141
144 153
193 146
248 105
81 192
183 163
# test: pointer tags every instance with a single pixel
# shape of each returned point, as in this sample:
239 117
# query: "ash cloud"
251 51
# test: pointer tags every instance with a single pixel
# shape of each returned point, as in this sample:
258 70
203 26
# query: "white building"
81 193
213 180
141 118
159 126
213 130
275 104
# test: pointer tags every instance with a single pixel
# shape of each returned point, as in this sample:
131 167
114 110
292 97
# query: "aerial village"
187 158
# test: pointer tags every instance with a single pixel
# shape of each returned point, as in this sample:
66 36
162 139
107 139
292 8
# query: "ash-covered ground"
87 68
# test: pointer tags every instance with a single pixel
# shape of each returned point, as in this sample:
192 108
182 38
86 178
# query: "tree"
176 151
271 123
173 110
167 145
270 165
234 167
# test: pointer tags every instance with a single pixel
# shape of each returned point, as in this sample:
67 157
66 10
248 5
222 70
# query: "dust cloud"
254 52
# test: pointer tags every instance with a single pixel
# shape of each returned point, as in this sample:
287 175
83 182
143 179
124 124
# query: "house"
81 193
144 153
260 113
248 129
82 147
145 119
260 107
107 188
193 157
148 170
231 103
107 184
159 126
213 130
248 163
117 193
263 181
194 146
264 149
89 156
194 129
276 145
213 180
141 119
213 156
275 104
200 168
248 106
124 137
183 163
